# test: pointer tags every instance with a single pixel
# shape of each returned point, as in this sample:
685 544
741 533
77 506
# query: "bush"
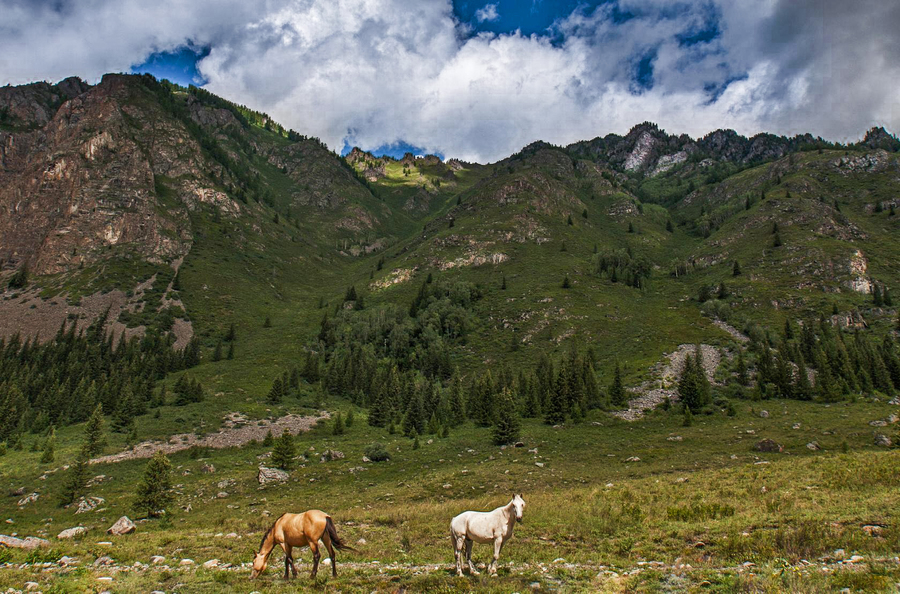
377 453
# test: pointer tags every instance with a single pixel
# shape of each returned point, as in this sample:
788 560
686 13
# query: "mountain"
666 334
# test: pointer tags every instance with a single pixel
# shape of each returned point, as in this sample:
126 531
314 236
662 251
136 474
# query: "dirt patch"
652 393
237 431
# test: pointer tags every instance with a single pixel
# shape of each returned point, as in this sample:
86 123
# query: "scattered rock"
361 541
186 562
519 444
633 459
66 560
883 440
18 492
839 554
86 504
31 586
447 485
207 468
331 455
103 561
267 476
814 446
539 464
878 423
873 530
122 526
97 480
764 414
157 559
72 532
221 495
28 499
675 438
768 445
212 563
28 543
796 426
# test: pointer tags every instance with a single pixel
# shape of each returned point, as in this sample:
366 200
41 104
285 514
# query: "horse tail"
335 540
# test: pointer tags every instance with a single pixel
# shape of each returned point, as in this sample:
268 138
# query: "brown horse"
299 530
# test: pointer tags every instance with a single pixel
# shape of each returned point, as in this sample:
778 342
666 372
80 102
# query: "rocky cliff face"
81 183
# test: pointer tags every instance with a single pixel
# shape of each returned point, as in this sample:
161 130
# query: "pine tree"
617 395
569 221
338 428
276 394
877 299
350 419
445 432
415 438
503 285
888 301
268 441
380 412
736 269
777 241
123 417
217 353
457 402
688 417
283 452
507 425
76 478
566 284
742 377
788 330
433 426
49 448
154 492
230 335
414 419
268 322
94 439
230 351
584 214
630 227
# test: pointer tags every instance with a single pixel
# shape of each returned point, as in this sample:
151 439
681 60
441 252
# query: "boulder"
764 414
883 441
122 526
184 562
157 559
86 504
207 468
271 475
211 564
331 455
28 543
768 445
103 561
18 492
71 532
813 445
28 499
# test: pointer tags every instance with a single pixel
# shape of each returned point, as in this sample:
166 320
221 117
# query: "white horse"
484 527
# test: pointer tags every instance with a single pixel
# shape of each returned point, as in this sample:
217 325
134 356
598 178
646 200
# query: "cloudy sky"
478 80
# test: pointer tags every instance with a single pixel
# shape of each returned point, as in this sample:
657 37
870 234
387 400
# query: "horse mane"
269 531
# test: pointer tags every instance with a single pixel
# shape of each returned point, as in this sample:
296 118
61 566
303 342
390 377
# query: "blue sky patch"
395 150
178 66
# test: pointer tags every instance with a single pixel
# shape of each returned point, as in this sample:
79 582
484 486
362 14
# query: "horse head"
259 564
519 505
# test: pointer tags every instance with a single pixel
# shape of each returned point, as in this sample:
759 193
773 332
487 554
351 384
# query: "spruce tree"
566 284
230 335
742 377
877 300
380 411
617 394
687 418
350 418
217 352
49 453
154 492
415 438
268 440
414 419
338 428
457 402
507 425
433 426
276 393
94 438
736 269
230 351
669 227
283 452
76 478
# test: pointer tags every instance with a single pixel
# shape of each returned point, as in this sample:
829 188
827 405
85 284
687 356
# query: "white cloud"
488 12
371 72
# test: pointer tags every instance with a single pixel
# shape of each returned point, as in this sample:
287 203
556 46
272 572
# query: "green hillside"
435 301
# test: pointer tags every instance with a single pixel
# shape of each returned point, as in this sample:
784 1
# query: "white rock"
211 564
186 562
72 532
122 526
157 559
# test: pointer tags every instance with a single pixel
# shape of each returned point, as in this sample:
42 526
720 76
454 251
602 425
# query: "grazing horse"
298 530
484 527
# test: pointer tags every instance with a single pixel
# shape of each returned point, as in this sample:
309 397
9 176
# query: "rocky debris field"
652 393
237 431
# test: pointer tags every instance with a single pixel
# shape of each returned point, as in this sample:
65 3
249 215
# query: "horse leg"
327 540
498 544
287 558
458 544
290 558
314 547
472 569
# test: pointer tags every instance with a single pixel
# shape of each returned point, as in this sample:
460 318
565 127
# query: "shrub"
377 453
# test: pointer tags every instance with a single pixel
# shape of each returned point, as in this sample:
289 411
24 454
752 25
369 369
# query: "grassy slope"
244 270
